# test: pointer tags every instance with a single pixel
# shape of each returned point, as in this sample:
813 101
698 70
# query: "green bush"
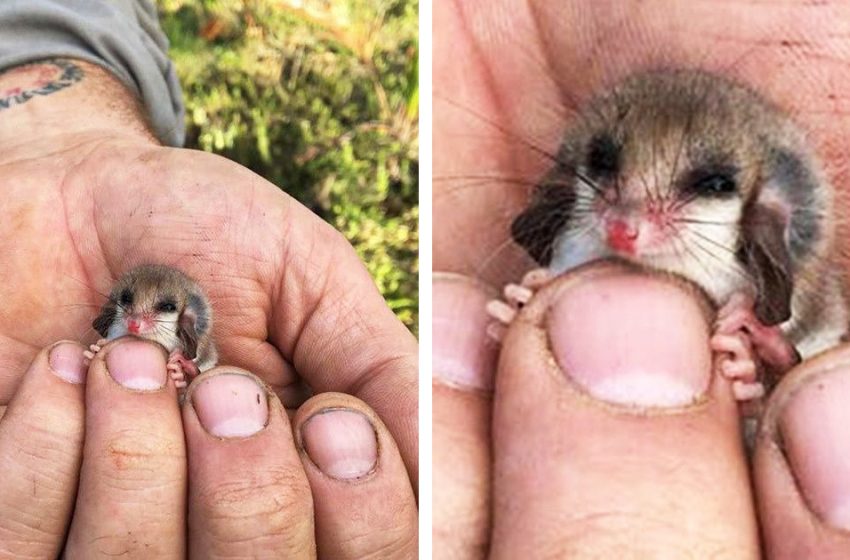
321 98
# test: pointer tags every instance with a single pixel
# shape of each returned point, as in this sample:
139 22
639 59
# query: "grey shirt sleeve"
123 36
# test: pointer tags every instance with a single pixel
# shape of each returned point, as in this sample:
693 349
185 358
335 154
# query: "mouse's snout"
621 235
140 323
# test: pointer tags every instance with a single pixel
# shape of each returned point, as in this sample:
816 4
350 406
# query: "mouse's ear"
103 321
536 228
764 254
187 333
193 323
781 227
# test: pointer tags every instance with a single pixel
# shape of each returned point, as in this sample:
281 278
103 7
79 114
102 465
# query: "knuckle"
258 506
391 532
131 457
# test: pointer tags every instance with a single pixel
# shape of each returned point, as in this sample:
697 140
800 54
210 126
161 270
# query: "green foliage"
321 98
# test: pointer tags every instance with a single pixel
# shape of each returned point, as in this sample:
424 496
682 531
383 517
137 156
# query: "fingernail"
342 443
231 405
632 339
137 365
67 362
464 355
815 429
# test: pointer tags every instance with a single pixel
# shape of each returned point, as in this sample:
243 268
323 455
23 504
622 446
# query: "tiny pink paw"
740 365
181 369
93 350
504 311
768 342
757 353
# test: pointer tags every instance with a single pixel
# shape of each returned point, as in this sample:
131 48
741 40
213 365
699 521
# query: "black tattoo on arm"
21 83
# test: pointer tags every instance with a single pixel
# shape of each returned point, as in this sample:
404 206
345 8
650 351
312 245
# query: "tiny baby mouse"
696 175
162 304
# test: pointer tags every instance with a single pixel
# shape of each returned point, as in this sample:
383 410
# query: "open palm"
288 292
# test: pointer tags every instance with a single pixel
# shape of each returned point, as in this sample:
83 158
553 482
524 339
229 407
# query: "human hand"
90 199
87 456
566 479
612 432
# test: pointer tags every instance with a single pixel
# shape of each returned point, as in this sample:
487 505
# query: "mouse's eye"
714 184
166 306
603 156
126 298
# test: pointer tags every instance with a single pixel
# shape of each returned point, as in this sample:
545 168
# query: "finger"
339 333
464 364
365 506
248 495
801 466
41 446
609 427
132 494
326 316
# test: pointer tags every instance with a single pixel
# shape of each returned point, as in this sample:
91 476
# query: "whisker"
703 222
529 145
713 242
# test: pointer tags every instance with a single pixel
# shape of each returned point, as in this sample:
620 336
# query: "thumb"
610 430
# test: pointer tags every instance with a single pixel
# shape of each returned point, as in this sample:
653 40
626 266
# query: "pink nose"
134 325
621 235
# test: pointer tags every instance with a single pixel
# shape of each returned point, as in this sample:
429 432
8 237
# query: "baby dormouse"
162 304
696 175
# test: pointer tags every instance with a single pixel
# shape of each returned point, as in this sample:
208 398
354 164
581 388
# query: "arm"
60 104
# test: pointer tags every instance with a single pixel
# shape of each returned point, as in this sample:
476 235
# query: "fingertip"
815 430
801 462
631 339
363 497
341 442
67 360
41 443
464 354
235 425
230 403
137 364
605 381
320 423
